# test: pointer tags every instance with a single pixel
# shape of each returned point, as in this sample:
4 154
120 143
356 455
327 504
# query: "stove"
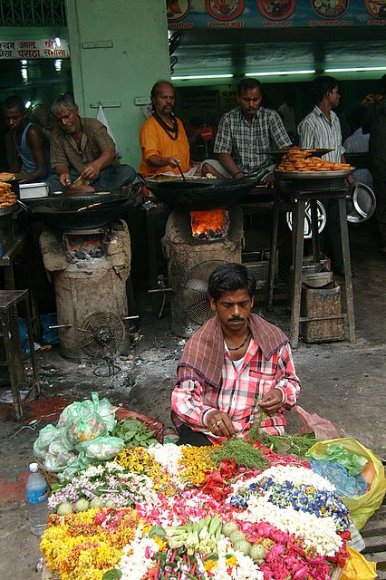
195 243
89 269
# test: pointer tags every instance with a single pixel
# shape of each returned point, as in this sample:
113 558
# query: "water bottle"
36 493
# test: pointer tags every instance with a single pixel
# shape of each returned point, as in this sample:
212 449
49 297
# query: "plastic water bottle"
36 493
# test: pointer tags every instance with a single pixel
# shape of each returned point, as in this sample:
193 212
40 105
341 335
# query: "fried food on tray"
4 176
301 160
7 197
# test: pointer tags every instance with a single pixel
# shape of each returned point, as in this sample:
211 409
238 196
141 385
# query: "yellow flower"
231 561
194 462
209 565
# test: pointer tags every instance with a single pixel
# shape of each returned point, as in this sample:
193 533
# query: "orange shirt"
155 141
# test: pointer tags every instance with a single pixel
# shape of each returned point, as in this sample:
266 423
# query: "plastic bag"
57 459
42 443
352 462
357 567
323 428
24 341
101 448
361 507
49 335
83 421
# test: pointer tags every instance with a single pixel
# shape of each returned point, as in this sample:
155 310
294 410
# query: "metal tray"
8 210
314 174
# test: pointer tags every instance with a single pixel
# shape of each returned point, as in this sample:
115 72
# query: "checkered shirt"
239 392
243 141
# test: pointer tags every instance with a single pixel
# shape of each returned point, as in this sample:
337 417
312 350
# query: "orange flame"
215 220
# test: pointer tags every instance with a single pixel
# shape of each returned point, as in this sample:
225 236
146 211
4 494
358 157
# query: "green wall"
119 49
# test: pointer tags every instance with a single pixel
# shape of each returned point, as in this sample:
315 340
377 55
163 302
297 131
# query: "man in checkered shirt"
245 133
236 366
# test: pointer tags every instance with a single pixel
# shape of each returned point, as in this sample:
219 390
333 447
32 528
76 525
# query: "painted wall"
119 49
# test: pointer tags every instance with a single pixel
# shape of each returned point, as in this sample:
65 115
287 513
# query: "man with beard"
236 367
245 133
83 154
162 137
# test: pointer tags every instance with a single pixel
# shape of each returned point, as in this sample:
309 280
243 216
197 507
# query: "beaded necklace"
172 132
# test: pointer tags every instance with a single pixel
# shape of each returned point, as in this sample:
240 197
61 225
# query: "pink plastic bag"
323 428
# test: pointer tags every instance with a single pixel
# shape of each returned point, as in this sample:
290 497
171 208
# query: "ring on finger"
218 422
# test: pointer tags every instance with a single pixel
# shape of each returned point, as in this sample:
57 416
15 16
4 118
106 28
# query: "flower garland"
185 516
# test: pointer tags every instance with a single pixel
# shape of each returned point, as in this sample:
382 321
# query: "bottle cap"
33 467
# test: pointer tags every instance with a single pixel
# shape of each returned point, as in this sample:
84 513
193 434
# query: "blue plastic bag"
24 342
49 335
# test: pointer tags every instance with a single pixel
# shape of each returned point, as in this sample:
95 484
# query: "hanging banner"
188 14
30 49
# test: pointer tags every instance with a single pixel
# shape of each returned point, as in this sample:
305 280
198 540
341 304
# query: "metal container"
33 190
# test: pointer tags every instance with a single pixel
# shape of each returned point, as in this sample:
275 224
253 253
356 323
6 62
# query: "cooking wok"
201 194
80 211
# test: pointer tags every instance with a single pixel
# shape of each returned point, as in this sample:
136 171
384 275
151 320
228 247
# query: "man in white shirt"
320 129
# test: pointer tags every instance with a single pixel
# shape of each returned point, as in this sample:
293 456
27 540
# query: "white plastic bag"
101 116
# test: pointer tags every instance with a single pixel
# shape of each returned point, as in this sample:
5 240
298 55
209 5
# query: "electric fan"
194 291
102 335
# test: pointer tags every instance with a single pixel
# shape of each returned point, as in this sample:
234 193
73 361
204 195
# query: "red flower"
228 468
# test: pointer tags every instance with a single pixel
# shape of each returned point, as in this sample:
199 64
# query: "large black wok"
80 211
201 194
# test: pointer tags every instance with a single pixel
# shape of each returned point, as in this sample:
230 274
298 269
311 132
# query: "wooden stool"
9 300
300 198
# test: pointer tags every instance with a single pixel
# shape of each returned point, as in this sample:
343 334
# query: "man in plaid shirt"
236 366
245 133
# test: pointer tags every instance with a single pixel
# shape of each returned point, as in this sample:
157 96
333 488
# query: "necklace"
171 132
241 345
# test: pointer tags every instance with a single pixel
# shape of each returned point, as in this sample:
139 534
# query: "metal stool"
300 198
9 300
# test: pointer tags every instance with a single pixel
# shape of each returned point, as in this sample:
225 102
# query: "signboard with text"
27 49
188 14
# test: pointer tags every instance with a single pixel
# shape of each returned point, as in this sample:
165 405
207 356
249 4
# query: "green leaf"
112 575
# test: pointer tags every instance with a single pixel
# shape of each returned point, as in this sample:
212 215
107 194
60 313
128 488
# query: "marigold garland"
139 460
195 463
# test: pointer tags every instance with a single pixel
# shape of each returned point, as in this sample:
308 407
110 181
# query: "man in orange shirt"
162 137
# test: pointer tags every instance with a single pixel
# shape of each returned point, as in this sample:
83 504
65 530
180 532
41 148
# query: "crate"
258 263
318 302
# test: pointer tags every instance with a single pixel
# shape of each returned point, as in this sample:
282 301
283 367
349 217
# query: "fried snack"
7 197
4 176
301 160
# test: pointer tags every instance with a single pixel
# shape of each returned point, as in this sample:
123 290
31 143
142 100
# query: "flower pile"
183 513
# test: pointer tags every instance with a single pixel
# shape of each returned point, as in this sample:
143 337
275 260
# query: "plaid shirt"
239 393
243 141
316 131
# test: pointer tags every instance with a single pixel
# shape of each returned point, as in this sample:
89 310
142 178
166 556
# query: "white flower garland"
319 533
134 562
293 474
167 455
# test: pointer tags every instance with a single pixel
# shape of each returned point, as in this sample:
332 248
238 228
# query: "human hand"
271 402
220 424
65 179
90 172
173 161
351 181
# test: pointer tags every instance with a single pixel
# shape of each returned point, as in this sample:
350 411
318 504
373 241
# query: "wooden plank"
375 544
